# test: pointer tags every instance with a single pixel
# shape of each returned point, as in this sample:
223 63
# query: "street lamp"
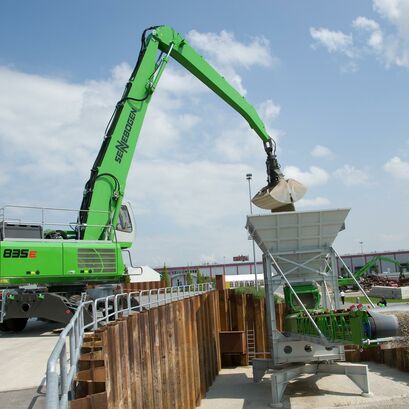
248 177
362 247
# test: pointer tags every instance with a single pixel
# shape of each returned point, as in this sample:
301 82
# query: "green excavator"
44 267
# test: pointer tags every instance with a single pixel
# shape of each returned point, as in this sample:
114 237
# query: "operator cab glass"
125 231
124 222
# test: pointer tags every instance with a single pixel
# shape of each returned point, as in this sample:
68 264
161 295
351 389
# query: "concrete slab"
33 398
24 356
389 292
233 389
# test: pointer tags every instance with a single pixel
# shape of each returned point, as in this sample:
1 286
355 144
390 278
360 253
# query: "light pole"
362 247
248 177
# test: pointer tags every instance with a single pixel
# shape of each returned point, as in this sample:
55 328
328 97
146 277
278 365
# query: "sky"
330 80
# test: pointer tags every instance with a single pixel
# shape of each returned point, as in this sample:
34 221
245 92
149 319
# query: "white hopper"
298 238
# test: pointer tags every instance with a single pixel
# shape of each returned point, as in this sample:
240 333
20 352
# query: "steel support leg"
280 376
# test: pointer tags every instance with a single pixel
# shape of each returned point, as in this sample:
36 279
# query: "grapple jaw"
280 194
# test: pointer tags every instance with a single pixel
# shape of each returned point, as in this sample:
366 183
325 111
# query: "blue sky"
330 78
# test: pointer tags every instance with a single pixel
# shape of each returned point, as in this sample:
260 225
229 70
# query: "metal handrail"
73 225
62 367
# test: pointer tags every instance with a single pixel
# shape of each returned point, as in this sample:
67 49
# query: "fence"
62 364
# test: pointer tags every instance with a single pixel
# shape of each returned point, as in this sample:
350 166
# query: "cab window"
124 222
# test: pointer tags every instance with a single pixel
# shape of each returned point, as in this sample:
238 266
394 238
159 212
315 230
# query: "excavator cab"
280 194
125 228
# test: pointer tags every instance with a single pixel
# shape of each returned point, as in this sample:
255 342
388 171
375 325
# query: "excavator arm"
105 189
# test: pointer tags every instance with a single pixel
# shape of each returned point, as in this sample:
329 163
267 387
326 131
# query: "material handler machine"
45 265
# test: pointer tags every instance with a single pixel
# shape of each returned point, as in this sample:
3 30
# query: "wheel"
16 324
4 327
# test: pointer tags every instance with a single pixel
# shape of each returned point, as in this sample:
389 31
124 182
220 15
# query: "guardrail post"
116 306
63 369
94 315
128 300
106 311
51 399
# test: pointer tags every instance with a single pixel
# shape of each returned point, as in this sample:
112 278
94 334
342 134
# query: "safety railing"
247 283
62 363
40 216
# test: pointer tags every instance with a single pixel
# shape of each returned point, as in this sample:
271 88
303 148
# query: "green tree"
200 278
165 276
189 279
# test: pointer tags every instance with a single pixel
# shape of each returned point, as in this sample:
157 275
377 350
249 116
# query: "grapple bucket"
280 197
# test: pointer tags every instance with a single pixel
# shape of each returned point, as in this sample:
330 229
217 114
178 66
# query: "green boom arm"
104 190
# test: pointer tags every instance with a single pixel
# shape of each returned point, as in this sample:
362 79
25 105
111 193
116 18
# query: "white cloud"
269 111
238 142
333 41
313 203
351 176
193 194
389 42
320 151
315 176
225 49
365 24
375 40
390 9
226 53
398 168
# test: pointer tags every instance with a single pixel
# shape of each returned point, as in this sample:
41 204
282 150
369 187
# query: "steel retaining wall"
93 386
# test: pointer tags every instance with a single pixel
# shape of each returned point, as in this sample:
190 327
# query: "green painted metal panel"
28 261
60 262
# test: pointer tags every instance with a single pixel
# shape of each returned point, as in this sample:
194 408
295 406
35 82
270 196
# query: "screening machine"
298 256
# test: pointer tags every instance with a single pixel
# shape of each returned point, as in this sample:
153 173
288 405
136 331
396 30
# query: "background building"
353 261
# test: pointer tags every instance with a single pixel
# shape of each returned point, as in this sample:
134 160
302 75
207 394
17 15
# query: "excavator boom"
104 190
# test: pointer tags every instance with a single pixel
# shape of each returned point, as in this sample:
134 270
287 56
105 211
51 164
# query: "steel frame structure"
298 249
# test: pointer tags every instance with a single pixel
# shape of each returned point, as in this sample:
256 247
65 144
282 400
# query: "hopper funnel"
299 241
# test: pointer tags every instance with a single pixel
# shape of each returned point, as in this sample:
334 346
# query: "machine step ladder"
251 345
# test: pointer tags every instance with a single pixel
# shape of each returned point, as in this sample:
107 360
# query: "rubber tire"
4 327
16 324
